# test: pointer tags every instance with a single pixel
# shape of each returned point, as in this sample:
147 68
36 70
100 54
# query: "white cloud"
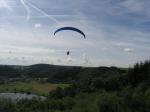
59 60
128 49
41 11
38 25
133 5
69 59
27 9
4 4
108 34
85 58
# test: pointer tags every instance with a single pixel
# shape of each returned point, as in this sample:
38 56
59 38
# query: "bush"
109 102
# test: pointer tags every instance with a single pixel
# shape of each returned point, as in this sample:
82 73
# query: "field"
30 87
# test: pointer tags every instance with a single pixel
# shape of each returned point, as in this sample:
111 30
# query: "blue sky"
117 32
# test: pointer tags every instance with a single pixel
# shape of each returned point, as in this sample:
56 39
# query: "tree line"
99 91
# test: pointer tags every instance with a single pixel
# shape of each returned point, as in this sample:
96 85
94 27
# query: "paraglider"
68 53
70 28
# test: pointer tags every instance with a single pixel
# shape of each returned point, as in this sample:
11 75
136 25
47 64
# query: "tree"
109 102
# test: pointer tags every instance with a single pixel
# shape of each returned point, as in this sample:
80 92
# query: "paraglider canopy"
70 28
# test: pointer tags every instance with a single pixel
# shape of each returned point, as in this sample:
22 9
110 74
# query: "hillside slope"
56 73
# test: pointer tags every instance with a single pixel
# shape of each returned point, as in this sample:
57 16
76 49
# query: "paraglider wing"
70 28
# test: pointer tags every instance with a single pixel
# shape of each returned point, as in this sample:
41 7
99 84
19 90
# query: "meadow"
30 87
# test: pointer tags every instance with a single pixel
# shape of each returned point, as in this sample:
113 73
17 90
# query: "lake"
19 96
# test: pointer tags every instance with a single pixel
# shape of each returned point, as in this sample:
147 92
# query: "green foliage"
7 106
109 102
30 87
9 72
54 73
140 72
99 89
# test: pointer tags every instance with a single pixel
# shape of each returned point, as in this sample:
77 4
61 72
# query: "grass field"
30 87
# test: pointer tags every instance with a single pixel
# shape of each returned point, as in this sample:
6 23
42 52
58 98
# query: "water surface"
19 96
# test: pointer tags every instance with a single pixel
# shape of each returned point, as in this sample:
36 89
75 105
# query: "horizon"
84 66
117 32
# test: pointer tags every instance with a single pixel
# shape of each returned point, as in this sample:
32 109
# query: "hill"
100 89
55 73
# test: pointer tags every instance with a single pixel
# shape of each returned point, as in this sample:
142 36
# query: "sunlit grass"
30 87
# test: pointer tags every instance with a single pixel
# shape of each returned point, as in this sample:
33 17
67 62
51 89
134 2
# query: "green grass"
30 87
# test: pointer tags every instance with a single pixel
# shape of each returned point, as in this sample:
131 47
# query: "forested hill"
100 89
56 73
